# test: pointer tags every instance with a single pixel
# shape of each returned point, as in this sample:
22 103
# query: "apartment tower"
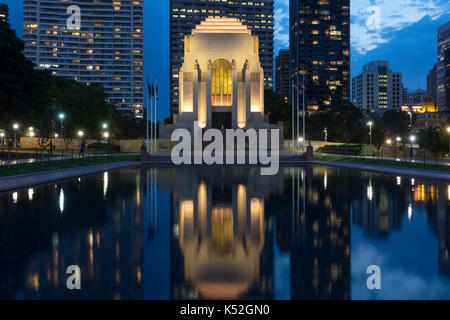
97 41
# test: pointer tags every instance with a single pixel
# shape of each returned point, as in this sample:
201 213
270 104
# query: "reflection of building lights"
325 180
413 182
369 192
410 213
30 194
176 230
15 196
449 193
399 181
61 200
105 184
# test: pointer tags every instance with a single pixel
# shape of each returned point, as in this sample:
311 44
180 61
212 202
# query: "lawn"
62 164
386 163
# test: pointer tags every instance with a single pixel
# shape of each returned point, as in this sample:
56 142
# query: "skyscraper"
258 15
320 48
447 77
4 12
431 84
282 75
377 88
443 43
104 46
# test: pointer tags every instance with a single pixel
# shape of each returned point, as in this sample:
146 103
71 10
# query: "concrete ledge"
415 173
32 179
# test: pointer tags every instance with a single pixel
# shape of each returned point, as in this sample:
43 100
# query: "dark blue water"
306 233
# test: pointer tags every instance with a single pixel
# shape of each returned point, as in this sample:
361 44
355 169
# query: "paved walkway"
416 173
415 160
27 180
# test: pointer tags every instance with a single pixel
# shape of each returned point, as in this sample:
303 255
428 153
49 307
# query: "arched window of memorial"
221 83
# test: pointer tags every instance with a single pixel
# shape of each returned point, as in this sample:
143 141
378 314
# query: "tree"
396 123
127 126
23 90
278 110
85 106
434 140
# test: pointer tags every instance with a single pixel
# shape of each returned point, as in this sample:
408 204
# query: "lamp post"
398 139
15 128
300 142
61 117
370 124
448 131
412 139
106 135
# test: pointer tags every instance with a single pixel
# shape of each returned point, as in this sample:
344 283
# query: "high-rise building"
431 84
104 46
4 12
282 75
258 15
417 97
443 43
320 48
377 88
447 77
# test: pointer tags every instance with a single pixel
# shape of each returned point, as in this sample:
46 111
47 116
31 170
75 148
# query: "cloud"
397 281
281 31
368 33
373 22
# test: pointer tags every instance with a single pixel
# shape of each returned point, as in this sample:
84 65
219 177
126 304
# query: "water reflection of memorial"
222 245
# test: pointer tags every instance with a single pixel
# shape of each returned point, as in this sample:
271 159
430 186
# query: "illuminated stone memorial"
221 81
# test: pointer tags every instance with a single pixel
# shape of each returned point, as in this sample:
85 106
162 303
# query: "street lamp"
398 139
61 117
412 139
389 141
15 127
105 125
300 141
80 134
2 136
106 135
370 124
32 134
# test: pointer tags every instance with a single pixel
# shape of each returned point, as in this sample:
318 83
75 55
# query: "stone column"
208 98
195 92
234 110
248 93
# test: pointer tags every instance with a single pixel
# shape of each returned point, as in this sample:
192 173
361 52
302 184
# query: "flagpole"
151 118
293 132
146 116
156 106
297 115
304 131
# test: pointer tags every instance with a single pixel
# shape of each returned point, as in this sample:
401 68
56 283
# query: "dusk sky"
406 36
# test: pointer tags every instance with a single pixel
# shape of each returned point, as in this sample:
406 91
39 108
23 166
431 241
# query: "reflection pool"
308 232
